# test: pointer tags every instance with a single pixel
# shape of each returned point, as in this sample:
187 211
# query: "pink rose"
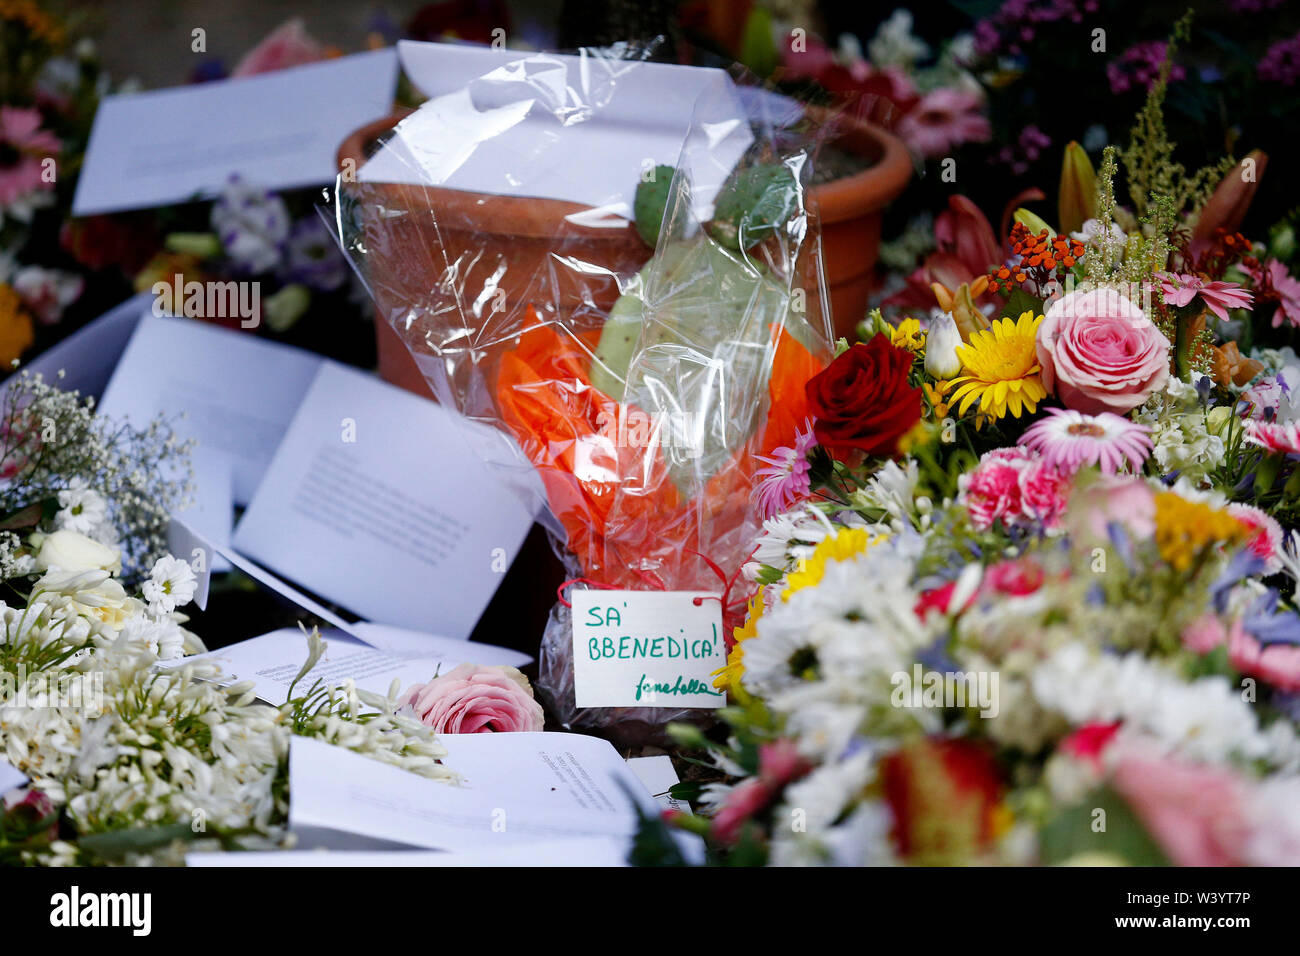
1100 353
470 700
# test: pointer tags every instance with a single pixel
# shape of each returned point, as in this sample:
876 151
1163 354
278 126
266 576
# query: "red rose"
944 795
863 399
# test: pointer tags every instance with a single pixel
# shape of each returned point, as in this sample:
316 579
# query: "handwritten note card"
646 648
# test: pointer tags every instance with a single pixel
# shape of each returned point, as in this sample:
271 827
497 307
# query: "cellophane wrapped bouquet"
627 303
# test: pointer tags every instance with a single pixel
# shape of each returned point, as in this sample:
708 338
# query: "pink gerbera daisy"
786 479
1282 439
1180 288
943 119
1069 440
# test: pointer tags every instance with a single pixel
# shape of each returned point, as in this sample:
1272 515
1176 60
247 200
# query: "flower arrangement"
130 761
1026 591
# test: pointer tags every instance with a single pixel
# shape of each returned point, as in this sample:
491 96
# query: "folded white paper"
238 392
579 851
273 660
87 357
518 788
658 775
280 130
375 500
576 128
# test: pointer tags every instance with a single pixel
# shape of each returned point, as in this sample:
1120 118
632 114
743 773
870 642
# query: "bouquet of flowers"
1026 586
131 762
634 370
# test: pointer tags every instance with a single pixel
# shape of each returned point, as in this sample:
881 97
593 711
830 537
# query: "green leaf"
114 844
1071 833
1020 301
757 48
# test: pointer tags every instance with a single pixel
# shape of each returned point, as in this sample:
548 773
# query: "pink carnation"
29 146
1276 664
1197 813
1015 486
470 699
1266 534
1100 353
1278 438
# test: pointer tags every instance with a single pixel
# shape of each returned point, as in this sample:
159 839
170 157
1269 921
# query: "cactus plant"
753 205
651 201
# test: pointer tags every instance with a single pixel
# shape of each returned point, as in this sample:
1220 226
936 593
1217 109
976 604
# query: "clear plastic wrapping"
631 386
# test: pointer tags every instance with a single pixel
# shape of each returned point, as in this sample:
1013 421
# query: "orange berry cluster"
1213 259
1040 255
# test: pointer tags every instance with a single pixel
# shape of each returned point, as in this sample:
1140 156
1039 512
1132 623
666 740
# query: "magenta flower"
1180 288
786 479
1070 440
1281 62
1273 283
1138 67
945 118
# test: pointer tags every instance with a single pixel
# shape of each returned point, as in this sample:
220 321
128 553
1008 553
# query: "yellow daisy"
727 677
845 544
1003 370
1186 530
909 335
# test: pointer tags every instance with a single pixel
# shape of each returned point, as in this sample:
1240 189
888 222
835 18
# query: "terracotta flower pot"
511 243
851 210
508 244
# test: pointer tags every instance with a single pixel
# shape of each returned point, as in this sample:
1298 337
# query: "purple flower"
1139 66
1281 62
312 256
786 479
252 225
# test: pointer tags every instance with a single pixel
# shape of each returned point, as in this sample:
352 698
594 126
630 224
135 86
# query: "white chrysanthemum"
892 491
163 637
804 827
858 620
81 509
862 839
171 585
1205 719
792 537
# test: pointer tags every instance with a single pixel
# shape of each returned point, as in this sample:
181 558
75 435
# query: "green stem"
1183 347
